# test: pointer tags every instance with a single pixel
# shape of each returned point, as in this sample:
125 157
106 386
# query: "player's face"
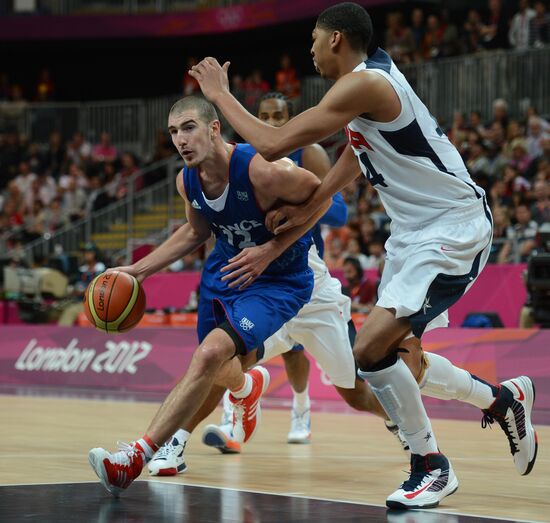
273 112
192 137
320 51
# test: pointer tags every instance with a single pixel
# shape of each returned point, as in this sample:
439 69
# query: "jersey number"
242 244
373 177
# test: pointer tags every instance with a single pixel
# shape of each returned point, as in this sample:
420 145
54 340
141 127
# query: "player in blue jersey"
227 189
440 233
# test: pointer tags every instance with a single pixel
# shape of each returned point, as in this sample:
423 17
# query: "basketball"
114 302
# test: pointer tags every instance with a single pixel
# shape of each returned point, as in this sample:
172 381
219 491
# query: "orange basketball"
114 302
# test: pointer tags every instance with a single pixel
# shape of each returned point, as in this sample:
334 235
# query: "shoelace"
165 450
414 481
487 420
126 451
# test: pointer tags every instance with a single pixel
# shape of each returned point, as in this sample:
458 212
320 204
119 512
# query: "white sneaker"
300 427
169 459
396 431
431 479
221 438
512 411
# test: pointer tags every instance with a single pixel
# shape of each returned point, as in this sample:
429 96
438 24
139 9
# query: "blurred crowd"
45 187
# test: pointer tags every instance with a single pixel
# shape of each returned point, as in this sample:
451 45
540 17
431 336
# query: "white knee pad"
442 380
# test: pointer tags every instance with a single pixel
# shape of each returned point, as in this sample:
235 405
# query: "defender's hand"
212 77
286 217
248 265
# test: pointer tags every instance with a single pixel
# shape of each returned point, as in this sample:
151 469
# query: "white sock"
399 394
182 436
301 402
246 388
444 381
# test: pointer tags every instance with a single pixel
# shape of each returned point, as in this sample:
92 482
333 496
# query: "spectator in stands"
334 253
43 189
451 42
91 268
520 158
98 197
418 29
472 32
457 133
189 84
432 42
74 200
127 170
535 136
79 150
55 218
74 173
254 87
354 251
501 222
500 112
399 41
286 79
522 234
237 88
540 209
539 30
45 88
34 158
541 163
24 178
495 29
477 159
104 151
361 290
518 35
376 251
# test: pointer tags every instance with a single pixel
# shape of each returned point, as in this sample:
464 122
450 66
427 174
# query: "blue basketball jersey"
261 309
240 222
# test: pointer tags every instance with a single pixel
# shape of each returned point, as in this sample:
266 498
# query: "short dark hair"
350 19
206 110
276 95
352 260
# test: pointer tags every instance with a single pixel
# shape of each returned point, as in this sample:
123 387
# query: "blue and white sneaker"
432 478
169 459
221 438
300 427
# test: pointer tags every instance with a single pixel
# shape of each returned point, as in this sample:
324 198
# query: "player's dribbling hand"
250 263
130 269
284 218
212 77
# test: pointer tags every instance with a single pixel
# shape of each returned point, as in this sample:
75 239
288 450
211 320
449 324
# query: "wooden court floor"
352 457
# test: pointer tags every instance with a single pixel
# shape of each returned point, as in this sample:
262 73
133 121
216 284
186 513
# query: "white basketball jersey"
418 173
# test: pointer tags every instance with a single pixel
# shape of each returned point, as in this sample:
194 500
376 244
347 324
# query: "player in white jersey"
440 234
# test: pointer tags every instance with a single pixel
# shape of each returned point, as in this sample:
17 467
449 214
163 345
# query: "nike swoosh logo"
521 395
413 495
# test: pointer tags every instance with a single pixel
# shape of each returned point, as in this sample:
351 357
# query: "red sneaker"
117 471
247 412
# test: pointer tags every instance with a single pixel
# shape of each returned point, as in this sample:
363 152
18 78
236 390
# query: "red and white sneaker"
117 471
432 478
512 411
247 412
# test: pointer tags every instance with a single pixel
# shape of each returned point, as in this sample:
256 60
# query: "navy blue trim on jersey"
410 141
379 60
443 292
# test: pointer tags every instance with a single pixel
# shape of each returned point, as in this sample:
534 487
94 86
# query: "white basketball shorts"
321 327
430 266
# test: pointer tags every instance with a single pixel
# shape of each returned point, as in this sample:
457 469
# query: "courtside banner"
153 360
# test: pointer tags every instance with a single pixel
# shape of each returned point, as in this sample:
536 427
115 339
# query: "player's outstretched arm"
345 170
316 160
343 102
185 240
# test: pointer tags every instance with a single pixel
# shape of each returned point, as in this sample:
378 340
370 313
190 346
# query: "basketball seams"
131 302
99 323
107 323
